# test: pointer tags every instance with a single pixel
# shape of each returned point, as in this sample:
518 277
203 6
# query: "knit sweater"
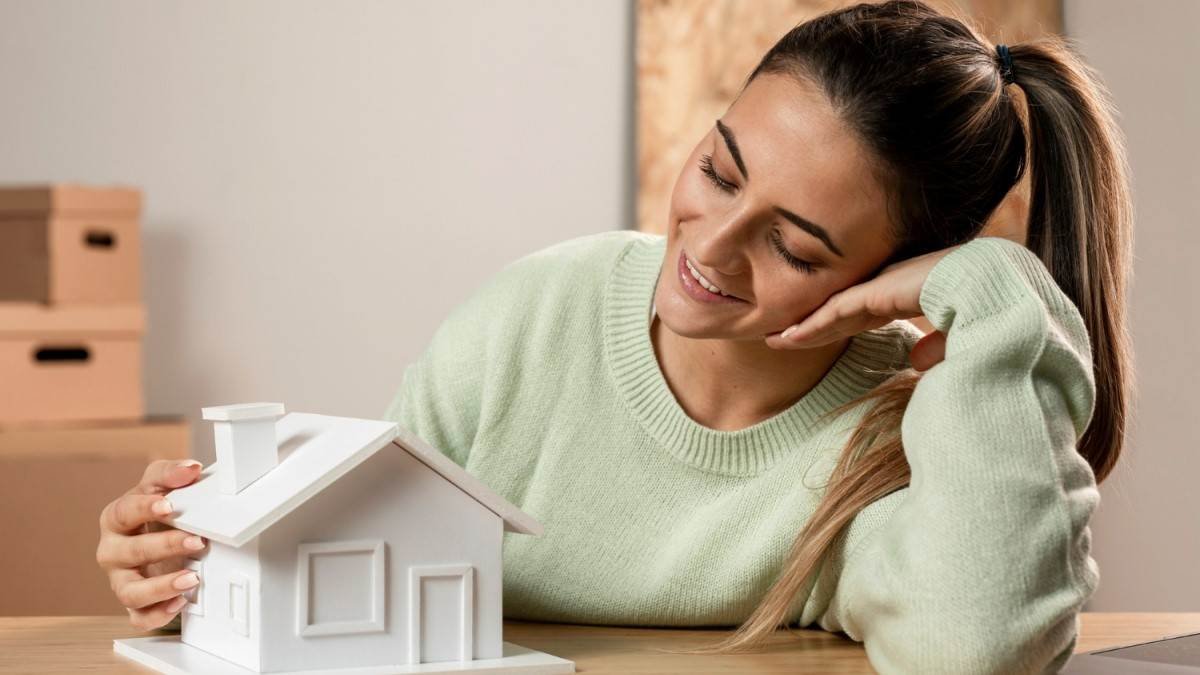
544 384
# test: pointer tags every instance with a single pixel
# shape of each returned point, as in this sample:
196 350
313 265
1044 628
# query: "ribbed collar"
628 296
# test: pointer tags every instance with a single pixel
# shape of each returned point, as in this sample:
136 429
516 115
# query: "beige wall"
324 180
1146 532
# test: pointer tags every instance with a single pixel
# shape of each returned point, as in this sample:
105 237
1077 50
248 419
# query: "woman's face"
779 155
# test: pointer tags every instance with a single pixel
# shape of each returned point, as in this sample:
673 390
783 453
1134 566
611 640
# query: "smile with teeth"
708 285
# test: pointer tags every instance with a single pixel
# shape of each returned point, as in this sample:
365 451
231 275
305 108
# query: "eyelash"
802 265
706 167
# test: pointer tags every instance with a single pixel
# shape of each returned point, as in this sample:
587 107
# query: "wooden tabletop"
84 644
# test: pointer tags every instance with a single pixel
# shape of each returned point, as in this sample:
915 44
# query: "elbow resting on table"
1001 643
960 653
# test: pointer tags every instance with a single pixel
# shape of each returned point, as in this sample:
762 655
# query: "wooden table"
84 644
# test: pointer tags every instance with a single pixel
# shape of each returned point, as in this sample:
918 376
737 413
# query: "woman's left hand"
893 293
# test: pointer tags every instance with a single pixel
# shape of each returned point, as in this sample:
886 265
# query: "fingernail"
187 463
186 581
162 507
177 604
791 330
193 542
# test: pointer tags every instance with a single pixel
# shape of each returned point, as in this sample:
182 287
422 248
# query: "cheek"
787 297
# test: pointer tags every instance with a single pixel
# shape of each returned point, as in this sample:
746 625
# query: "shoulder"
587 257
570 272
549 285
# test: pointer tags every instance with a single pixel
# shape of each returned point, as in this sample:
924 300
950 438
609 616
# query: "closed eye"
801 265
706 167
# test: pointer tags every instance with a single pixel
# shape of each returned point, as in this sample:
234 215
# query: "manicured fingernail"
789 332
188 462
193 542
186 581
162 507
177 604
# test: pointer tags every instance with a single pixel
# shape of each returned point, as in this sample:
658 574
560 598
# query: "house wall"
213 630
423 519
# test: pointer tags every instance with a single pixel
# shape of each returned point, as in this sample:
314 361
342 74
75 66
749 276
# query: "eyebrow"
801 222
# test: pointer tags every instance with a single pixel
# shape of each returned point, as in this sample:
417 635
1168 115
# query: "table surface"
67 643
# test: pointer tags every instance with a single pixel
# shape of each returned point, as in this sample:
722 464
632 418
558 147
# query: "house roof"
315 451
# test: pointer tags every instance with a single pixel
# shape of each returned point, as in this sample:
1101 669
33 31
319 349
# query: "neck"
728 385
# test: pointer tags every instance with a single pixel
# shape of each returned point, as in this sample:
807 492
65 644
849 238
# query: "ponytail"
1079 222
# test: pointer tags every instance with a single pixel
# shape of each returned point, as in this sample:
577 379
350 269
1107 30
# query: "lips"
693 289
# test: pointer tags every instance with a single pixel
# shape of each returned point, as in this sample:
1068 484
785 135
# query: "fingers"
843 328
823 331
137 592
157 615
165 475
846 313
929 351
143 549
816 328
127 514
124 547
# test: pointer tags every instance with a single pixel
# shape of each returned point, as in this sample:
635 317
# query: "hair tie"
1006 64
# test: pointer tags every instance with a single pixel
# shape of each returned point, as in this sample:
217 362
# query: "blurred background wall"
324 182
1146 532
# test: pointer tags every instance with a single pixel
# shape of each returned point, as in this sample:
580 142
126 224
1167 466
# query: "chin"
687 321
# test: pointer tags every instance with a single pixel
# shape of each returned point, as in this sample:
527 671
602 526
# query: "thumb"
929 351
165 475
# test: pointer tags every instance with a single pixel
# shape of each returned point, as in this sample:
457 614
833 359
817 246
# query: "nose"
720 246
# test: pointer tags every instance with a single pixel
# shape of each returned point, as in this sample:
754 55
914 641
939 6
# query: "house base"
168 654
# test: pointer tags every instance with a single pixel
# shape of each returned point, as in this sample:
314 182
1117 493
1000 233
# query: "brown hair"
924 92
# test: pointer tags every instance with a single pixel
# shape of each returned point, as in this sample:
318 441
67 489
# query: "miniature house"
339 543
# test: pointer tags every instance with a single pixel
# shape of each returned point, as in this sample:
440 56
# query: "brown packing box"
70 244
70 363
53 484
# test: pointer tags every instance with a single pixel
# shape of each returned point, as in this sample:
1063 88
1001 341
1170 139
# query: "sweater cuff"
983 277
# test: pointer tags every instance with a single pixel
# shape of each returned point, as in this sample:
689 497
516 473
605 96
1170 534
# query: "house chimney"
245 438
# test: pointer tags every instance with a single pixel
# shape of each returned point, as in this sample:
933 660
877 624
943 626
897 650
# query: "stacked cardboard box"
73 431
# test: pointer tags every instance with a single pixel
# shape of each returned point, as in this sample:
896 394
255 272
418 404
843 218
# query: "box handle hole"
100 239
48 354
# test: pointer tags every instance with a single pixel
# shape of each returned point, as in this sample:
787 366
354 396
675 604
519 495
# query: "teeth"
712 288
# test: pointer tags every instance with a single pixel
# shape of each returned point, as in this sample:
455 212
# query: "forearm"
984 564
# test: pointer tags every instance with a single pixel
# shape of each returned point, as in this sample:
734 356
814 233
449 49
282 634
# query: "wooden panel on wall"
693 55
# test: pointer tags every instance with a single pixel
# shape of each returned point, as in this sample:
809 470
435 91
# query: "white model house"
339 543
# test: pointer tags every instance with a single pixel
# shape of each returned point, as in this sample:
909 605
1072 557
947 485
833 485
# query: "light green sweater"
544 384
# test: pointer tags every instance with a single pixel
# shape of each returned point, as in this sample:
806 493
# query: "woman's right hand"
144 558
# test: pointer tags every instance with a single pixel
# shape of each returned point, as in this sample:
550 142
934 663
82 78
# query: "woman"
695 464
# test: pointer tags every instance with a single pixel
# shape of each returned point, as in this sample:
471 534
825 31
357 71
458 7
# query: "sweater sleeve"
984 563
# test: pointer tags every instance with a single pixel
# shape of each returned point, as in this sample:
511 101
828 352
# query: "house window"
195 595
340 587
239 604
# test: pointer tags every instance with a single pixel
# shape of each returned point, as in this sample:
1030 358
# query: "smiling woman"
694 467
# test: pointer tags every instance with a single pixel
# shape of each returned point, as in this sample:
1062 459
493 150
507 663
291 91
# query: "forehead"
801 156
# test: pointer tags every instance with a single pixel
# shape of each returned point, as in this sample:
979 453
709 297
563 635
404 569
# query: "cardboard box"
70 244
53 484
70 363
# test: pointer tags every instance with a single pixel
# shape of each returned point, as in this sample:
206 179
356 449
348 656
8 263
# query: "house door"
441 613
